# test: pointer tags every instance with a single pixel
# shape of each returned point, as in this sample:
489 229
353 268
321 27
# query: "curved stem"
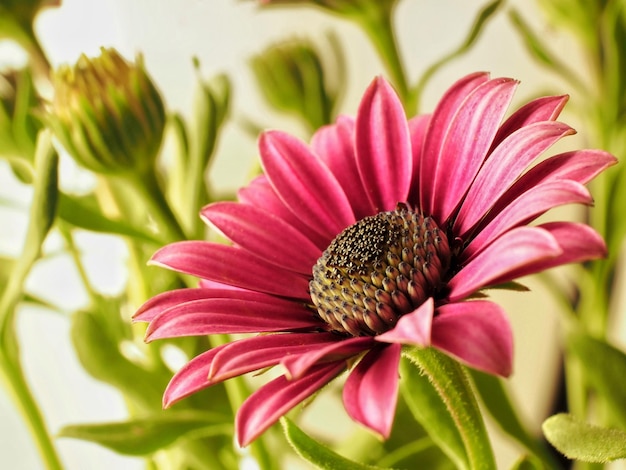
237 392
15 383
41 217
452 383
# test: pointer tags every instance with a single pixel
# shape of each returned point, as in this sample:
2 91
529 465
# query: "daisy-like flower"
382 232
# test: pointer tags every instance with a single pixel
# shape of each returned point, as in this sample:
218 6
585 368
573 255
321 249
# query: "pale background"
223 34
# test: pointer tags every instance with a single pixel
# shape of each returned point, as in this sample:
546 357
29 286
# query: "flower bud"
292 78
108 114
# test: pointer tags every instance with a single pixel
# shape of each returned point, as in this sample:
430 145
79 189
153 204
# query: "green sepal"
605 369
317 453
582 441
148 434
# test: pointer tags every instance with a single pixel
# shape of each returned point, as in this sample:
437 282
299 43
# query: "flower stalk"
453 385
42 215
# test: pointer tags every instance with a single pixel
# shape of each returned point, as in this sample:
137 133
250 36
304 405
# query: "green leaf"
528 463
146 435
83 212
317 453
429 410
605 368
582 441
496 400
97 348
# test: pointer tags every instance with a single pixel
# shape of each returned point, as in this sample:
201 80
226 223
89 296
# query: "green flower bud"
292 78
108 114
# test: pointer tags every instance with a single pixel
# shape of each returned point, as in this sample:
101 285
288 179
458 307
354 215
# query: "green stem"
378 25
41 217
148 188
15 383
452 383
237 392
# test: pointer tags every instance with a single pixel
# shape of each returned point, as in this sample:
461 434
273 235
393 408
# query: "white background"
223 34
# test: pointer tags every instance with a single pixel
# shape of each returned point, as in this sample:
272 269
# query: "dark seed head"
379 269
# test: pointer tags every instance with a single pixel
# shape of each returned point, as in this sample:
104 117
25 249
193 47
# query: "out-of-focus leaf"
195 143
146 435
83 212
429 410
582 441
496 400
421 453
605 368
100 356
528 463
317 453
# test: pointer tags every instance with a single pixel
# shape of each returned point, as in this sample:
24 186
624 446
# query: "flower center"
379 269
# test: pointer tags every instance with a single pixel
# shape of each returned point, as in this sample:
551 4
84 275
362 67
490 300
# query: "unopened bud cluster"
108 113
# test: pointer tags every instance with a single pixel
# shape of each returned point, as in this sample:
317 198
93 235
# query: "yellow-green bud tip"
107 113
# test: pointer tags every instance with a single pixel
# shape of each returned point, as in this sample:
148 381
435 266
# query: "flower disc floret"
379 269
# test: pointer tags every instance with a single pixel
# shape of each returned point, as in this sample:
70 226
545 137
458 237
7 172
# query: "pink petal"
580 166
161 302
265 406
417 129
370 394
344 348
334 144
383 146
230 265
436 133
412 328
477 333
546 108
467 143
578 243
526 208
240 357
191 378
230 315
304 184
503 167
264 235
260 194
509 254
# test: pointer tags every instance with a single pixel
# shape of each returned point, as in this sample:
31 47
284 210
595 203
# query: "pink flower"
382 232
